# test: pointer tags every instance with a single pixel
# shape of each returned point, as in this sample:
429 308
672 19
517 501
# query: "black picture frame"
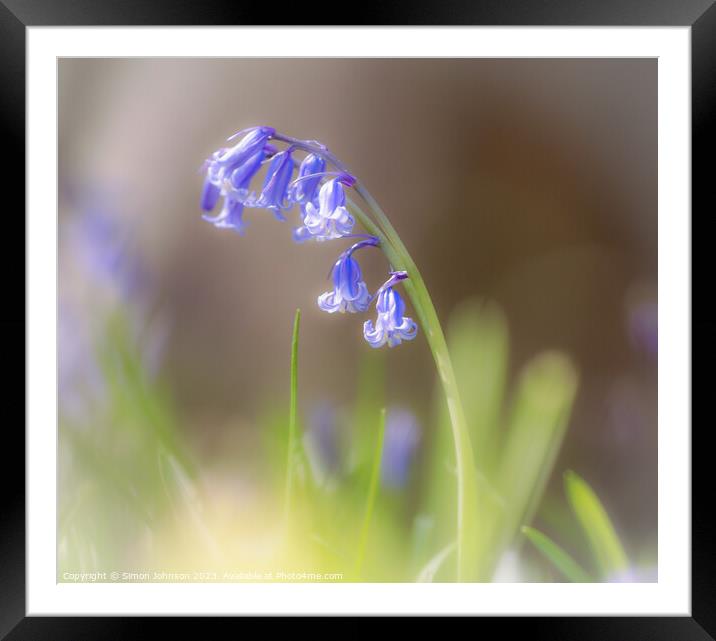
16 15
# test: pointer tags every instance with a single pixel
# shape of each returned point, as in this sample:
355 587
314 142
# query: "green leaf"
427 574
538 420
479 344
603 540
561 560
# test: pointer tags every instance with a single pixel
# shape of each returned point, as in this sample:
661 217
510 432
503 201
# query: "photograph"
357 320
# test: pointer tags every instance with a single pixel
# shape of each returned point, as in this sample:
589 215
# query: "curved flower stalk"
328 213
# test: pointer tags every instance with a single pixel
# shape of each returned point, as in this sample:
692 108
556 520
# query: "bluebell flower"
240 177
235 191
305 188
254 141
229 173
402 435
350 293
330 219
230 216
274 194
391 327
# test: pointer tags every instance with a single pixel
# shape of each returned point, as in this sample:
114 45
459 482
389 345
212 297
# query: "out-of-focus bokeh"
531 184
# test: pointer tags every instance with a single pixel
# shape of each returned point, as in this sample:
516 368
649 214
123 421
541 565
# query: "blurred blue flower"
102 275
635 575
101 245
402 435
323 443
350 293
79 378
392 326
644 328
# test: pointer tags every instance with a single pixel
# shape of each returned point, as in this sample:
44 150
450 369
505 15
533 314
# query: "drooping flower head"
324 215
392 326
350 293
229 173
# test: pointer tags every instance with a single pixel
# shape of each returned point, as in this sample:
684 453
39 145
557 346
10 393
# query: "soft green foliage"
596 524
607 551
122 466
372 492
518 442
479 344
561 560
292 446
535 431
129 467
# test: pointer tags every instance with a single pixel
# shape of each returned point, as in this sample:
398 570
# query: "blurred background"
531 184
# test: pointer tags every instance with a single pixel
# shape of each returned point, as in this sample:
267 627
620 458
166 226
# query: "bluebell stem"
402 436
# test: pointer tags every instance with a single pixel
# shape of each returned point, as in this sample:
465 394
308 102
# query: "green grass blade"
603 540
369 402
539 417
427 574
559 558
479 344
372 492
292 436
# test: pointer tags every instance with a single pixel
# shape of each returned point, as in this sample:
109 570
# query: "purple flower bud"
350 293
392 326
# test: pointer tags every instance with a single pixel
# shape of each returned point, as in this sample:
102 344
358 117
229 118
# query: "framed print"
389 319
